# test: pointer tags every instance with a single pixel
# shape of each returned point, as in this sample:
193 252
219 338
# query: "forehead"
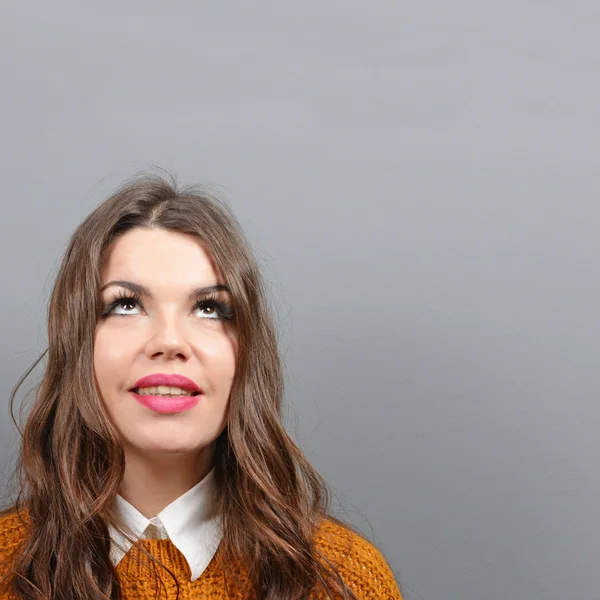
158 255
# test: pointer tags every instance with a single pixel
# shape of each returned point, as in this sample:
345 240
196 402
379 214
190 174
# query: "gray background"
420 181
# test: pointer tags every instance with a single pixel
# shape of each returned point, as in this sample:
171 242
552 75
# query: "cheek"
219 361
110 358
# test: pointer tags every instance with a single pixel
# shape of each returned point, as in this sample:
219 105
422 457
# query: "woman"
153 461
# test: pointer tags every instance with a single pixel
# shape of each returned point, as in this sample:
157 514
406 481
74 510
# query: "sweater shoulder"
360 563
13 528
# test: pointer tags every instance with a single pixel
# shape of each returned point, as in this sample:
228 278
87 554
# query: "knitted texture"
361 565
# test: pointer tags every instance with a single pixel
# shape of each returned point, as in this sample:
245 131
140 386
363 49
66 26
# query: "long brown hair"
71 462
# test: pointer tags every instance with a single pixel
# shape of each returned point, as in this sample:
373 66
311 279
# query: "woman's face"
166 331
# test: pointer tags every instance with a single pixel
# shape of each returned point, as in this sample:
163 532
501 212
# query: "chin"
174 445
161 446
169 446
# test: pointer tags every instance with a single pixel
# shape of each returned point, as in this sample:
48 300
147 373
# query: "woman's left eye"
213 309
208 309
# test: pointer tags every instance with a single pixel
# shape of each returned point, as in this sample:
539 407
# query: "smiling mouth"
151 392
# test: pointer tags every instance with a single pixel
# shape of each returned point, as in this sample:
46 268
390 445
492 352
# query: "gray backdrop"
420 181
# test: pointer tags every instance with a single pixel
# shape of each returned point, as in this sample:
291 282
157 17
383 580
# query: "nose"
168 338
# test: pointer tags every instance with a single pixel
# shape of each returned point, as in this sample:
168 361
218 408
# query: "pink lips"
172 379
162 404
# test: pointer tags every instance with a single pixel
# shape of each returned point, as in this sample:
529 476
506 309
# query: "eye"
214 309
120 301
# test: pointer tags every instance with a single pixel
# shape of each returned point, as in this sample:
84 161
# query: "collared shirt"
189 522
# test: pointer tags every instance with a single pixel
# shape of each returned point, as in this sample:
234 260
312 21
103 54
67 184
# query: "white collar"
188 522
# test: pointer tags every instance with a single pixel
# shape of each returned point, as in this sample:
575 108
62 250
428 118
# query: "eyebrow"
144 291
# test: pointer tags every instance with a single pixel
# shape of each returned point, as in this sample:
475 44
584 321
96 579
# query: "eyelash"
223 308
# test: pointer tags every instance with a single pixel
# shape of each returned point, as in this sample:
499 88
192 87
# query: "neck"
152 482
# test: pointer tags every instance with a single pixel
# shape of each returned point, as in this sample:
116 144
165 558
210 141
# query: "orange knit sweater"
360 564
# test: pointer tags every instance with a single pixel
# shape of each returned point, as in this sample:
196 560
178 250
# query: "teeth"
163 390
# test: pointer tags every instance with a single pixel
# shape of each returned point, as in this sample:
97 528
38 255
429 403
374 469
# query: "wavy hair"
71 462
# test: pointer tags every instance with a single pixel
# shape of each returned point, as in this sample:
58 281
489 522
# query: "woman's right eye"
122 302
